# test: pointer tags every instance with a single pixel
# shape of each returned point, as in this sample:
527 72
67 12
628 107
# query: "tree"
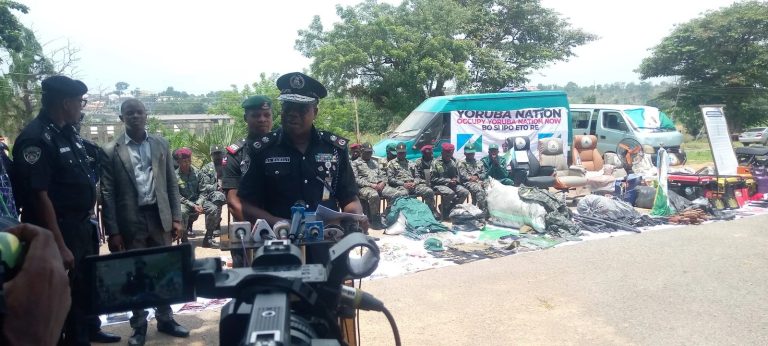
120 87
718 58
26 69
11 30
396 56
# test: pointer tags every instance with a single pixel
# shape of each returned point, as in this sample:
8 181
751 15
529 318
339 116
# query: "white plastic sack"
508 210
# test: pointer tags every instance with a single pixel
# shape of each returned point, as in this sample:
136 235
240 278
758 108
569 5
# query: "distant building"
102 128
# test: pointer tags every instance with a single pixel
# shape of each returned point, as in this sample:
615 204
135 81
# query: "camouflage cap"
392 148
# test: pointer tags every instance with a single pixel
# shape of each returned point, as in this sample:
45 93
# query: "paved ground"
694 285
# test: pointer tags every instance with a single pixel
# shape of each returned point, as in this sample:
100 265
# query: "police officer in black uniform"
55 187
258 117
298 162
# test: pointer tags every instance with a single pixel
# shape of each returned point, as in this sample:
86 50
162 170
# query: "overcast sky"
201 46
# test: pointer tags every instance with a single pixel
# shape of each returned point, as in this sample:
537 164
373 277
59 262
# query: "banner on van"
487 127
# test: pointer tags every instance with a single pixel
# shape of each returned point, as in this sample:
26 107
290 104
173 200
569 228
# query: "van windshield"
413 123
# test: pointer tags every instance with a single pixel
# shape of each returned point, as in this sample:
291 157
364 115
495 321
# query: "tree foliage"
26 67
11 30
120 87
396 56
718 58
200 144
643 93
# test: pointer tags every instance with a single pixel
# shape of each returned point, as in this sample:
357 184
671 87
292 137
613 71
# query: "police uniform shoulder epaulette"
265 141
48 133
339 142
234 148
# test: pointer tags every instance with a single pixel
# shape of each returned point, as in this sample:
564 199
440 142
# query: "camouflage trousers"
451 197
420 190
212 218
478 193
373 198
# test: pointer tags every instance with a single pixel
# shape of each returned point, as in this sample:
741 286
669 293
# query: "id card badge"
326 190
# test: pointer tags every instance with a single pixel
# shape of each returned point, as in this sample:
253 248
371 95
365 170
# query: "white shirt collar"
128 138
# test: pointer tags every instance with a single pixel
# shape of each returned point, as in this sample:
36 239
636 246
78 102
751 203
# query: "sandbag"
606 208
645 197
506 209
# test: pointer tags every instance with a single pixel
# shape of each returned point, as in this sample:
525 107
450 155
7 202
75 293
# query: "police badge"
244 165
297 81
32 154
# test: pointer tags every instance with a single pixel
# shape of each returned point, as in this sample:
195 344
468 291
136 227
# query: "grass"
699 151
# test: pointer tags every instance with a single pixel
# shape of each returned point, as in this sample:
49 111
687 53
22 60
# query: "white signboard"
482 128
719 139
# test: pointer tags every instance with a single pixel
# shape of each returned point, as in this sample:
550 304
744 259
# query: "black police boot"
172 328
104 337
139 336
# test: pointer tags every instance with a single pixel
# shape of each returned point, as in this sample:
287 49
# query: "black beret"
258 102
63 86
297 87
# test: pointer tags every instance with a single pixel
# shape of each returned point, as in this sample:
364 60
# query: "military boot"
139 336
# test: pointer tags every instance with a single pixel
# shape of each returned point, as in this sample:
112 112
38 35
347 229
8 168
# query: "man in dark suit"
141 202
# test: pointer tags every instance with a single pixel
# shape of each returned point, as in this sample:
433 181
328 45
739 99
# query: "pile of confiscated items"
689 217
517 207
600 214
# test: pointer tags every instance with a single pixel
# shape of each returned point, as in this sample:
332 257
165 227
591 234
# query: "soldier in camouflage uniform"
391 151
401 177
495 166
193 190
213 173
354 151
445 180
471 173
372 181
422 169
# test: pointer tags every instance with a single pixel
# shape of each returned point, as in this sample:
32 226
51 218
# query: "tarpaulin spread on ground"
481 127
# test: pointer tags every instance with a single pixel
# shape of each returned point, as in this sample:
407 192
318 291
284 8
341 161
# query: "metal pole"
357 120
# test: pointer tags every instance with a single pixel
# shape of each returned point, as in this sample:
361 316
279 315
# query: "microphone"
358 299
297 215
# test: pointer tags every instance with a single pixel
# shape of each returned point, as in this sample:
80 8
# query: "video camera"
279 300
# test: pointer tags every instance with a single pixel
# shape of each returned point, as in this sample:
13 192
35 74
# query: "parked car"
754 135
613 124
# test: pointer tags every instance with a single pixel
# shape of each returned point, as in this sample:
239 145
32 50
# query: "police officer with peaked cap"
259 119
55 187
298 162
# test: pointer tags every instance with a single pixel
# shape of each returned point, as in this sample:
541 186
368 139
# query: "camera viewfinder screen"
127 281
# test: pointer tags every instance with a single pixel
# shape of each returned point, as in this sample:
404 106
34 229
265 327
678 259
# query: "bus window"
580 120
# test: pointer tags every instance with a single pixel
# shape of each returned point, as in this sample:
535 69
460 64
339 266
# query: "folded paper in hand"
325 214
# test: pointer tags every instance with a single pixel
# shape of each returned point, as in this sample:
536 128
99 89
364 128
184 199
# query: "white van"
613 124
